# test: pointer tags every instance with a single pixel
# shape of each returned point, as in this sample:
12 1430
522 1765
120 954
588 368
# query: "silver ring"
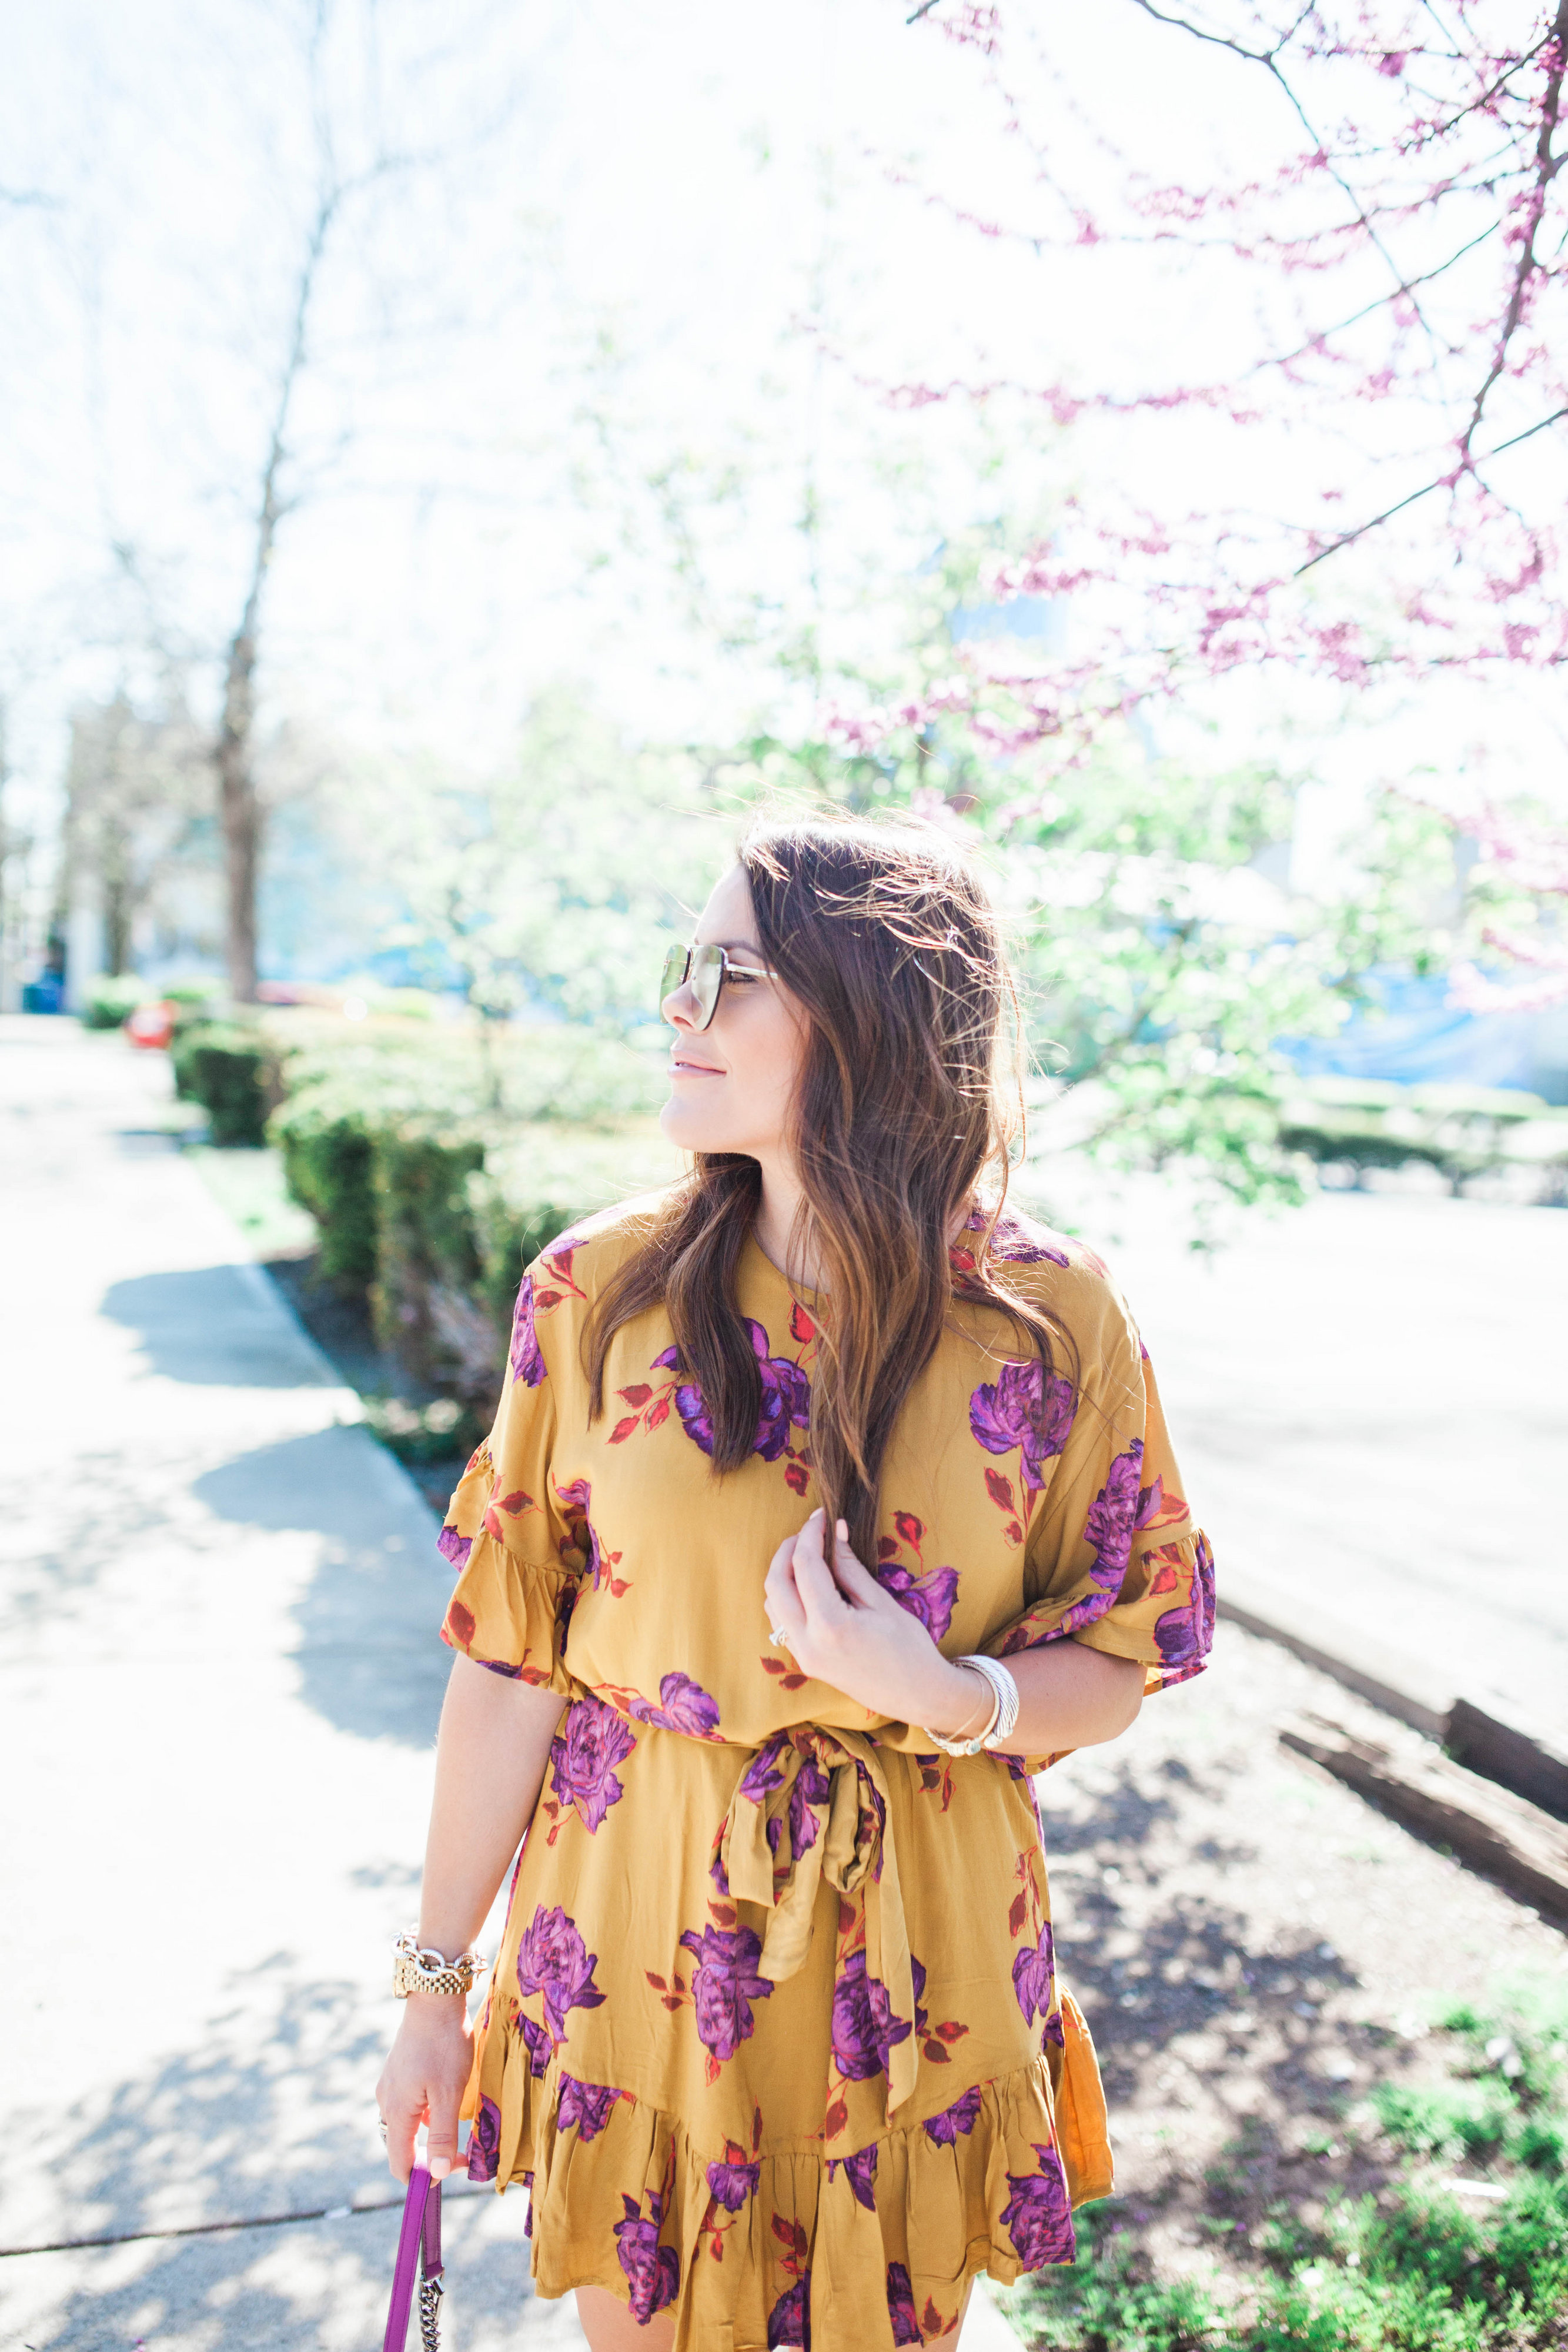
383 2122
777 1638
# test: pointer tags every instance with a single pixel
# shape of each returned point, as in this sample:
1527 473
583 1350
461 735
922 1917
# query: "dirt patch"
1255 1949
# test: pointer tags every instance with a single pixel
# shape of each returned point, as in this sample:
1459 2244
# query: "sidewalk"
220 1688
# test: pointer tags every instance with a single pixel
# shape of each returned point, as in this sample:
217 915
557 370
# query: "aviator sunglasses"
704 969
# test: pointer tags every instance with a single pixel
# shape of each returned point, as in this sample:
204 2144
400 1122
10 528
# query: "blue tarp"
1416 1034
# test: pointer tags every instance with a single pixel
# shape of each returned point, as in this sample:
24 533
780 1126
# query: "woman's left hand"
842 1628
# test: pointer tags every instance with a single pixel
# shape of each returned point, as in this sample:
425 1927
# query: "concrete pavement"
220 1688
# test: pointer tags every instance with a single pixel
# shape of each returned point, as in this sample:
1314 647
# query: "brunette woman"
788 1460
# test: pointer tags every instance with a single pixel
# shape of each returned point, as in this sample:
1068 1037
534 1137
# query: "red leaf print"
716 2247
1013 1532
802 1326
618 1585
910 1528
931 2320
773 1666
887 1546
723 1913
657 1982
801 2243
623 1428
1166 1581
782 2231
513 1503
836 2119
658 1412
1019 1905
679 1981
710 2068
672 2000
543 1298
460 1622
756 2128
937 2055
846 1916
1000 1491
794 1681
638 1393
795 1477
951 2031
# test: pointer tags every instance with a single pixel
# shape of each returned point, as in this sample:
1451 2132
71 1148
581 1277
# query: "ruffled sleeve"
1112 1558
517 1542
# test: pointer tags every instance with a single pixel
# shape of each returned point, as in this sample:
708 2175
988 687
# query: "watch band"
417 1970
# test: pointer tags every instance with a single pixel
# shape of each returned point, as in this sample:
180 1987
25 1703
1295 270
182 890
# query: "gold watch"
417 1971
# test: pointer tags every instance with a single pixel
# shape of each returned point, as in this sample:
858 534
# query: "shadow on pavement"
369 1652
214 1327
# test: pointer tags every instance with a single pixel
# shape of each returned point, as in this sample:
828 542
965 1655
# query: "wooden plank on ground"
1493 1830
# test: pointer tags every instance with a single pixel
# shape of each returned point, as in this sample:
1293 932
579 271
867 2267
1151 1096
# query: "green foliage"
234 1073
1417 2268
111 999
327 1167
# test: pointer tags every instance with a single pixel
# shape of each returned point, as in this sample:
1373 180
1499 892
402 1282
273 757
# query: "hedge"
430 1201
233 1073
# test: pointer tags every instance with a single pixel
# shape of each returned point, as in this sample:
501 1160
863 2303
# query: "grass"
1433 2262
249 1186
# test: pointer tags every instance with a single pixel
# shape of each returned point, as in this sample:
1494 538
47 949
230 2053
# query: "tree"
1390 279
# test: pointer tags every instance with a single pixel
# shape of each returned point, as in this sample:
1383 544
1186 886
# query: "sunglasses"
705 970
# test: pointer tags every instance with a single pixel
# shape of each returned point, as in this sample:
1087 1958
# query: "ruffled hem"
750 2251
510 1614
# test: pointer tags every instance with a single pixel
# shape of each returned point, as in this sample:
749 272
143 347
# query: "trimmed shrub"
427 1263
327 1169
112 999
234 1073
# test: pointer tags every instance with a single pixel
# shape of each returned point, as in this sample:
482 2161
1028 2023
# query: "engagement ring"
777 1638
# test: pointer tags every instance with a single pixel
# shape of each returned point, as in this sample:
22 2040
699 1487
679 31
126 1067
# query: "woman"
774 2034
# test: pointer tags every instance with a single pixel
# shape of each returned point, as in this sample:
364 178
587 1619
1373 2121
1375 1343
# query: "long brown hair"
884 935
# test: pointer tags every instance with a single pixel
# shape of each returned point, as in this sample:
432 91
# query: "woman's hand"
842 1628
423 2080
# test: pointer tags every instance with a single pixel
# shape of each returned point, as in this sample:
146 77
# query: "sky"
624 297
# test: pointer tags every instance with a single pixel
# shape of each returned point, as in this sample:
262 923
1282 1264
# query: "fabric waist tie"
812 1805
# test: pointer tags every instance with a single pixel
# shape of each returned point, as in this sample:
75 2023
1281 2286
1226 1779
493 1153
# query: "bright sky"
598 273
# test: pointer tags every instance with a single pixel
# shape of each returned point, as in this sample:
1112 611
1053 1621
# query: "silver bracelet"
1004 1711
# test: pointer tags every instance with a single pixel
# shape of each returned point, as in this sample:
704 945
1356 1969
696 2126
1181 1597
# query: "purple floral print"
943 2130
591 1740
527 1364
1036 2217
652 2272
553 1959
484 2142
865 2027
1112 1515
1034 1975
1023 1410
453 1547
766 1769
813 1787
577 1497
724 1983
589 2105
730 2184
1186 1634
786 1399
789 2321
930 1597
1011 1241
900 2306
683 1706
538 2045
860 2171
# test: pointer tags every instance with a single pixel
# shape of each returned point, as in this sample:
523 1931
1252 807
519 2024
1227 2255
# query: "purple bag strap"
419 2242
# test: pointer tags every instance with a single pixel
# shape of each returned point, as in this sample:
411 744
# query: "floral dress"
774 2035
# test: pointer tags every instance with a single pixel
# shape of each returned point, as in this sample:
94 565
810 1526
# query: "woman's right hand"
423 2080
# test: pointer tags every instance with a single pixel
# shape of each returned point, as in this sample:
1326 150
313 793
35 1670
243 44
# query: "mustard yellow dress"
774 2035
